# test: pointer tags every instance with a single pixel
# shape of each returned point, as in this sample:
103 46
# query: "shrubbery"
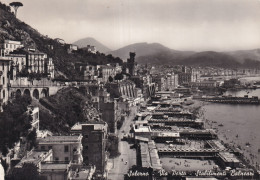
14 123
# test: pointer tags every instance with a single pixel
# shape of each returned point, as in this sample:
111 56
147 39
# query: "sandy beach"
235 128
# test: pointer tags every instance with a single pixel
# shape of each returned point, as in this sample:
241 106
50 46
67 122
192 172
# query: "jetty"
232 100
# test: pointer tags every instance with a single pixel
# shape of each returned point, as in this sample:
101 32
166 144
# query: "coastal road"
118 166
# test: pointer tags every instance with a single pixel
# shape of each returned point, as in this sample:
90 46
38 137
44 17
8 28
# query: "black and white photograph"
130 90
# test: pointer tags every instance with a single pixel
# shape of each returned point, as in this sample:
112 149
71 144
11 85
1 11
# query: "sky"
197 25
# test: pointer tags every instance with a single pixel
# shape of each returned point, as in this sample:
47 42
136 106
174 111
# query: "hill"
210 58
147 50
242 55
156 53
61 111
12 28
93 42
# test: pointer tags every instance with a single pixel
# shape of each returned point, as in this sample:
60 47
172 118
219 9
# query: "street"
120 165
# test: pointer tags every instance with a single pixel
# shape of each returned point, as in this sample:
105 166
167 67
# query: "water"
241 124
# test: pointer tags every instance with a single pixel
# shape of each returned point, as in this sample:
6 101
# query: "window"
49 147
86 147
86 158
3 66
86 136
66 158
42 147
3 80
3 94
56 159
66 148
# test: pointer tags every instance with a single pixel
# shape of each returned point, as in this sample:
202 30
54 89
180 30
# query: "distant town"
114 120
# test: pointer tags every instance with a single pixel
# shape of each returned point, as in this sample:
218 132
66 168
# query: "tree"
16 5
28 171
110 79
119 76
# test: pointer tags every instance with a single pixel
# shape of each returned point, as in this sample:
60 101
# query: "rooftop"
34 157
54 166
97 126
228 157
143 129
60 139
83 173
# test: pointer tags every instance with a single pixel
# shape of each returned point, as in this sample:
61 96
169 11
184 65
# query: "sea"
237 125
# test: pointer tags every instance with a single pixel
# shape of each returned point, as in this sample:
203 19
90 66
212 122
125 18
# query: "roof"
228 157
54 166
13 42
59 139
5 59
168 134
83 174
97 126
34 157
143 129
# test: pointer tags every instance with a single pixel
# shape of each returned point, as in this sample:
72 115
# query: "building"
35 60
4 80
47 168
71 48
55 170
171 81
105 71
184 78
94 143
160 82
36 157
131 64
111 114
204 84
82 173
65 148
123 88
18 61
34 112
91 49
9 46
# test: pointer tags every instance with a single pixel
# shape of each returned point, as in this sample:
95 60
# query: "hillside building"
94 142
34 112
9 46
130 65
4 80
65 148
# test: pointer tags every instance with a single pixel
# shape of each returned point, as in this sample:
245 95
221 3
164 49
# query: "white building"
4 80
10 46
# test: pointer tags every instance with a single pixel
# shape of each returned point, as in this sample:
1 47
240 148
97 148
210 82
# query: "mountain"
156 53
147 50
11 28
210 58
93 42
243 55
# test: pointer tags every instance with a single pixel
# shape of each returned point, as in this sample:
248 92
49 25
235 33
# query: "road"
118 166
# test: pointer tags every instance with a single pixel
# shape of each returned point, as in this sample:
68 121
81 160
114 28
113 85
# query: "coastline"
230 136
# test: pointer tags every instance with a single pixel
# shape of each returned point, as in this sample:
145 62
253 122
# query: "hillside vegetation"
61 111
15 123
93 42
13 29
